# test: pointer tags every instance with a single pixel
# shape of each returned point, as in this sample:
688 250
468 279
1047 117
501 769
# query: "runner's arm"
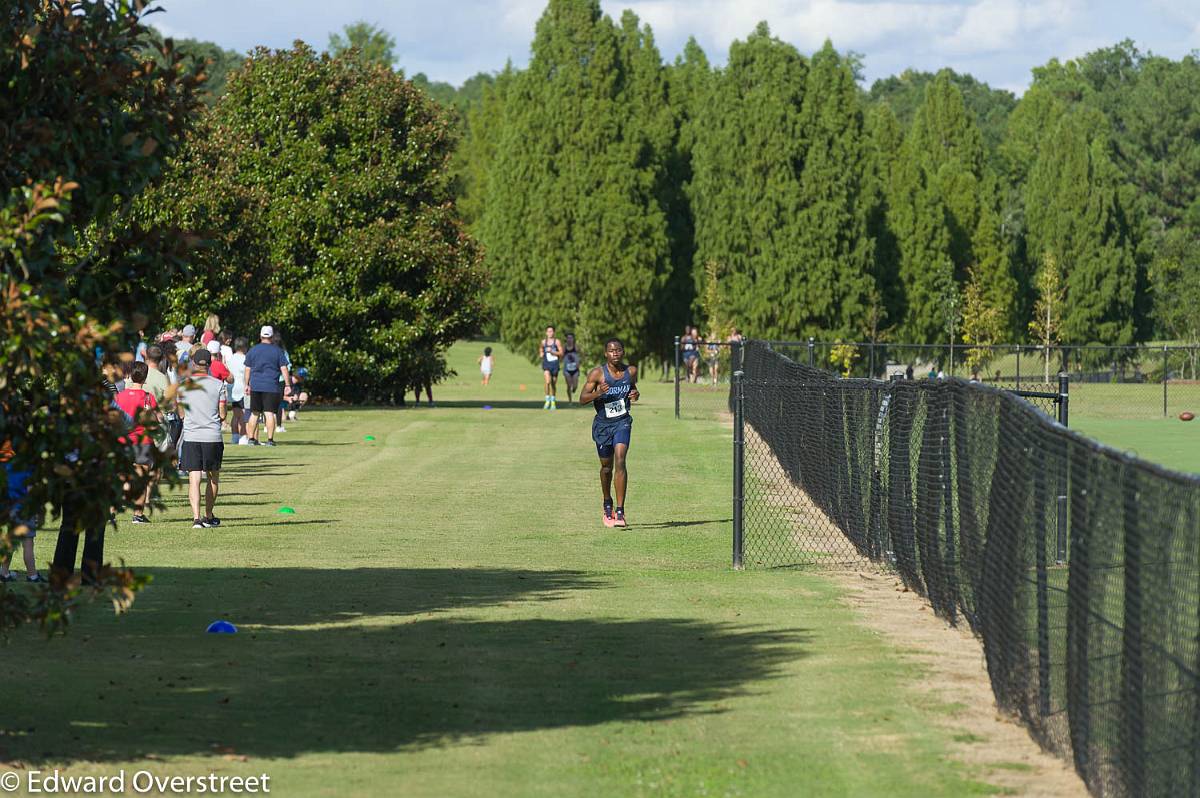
634 395
592 390
559 350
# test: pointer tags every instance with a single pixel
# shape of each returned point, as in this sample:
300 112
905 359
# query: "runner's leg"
210 496
606 478
620 475
194 478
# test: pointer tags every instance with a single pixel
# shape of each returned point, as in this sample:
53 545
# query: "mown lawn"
445 615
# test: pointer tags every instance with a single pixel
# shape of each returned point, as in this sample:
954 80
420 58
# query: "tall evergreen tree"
1083 224
477 152
884 140
835 246
746 193
689 83
950 147
574 229
917 219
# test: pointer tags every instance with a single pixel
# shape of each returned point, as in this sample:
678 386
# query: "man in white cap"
265 362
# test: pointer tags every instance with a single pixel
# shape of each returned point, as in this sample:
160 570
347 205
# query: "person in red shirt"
218 368
138 403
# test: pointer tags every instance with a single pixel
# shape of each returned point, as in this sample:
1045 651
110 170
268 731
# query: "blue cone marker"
222 628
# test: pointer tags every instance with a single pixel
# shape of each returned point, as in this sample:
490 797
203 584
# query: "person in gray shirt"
202 398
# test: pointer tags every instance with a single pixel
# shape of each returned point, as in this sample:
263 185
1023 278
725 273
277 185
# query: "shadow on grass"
677 524
495 404
362 660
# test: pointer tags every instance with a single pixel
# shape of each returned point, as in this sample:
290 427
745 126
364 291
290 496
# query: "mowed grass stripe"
445 615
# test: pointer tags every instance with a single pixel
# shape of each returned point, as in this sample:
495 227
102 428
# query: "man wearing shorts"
139 403
203 399
265 362
571 366
551 350
690 342
13 490
611 388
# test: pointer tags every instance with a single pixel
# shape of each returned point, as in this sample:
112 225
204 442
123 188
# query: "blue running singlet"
615 404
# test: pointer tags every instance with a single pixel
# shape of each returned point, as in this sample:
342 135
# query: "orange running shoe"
620 519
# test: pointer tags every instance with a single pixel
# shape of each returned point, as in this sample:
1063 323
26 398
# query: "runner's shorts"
607 434
196 456
265 401
550 367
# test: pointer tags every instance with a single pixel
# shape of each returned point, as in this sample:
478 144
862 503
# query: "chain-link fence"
703 371
1147 381
1076 565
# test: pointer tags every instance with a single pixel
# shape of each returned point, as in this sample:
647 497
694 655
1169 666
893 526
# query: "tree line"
605 184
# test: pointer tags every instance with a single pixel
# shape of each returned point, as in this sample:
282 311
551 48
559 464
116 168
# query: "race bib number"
551 357
614 409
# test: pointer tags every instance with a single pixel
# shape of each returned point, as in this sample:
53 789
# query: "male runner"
611 388
571 366
551 350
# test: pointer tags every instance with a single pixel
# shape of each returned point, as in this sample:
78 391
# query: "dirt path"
995 747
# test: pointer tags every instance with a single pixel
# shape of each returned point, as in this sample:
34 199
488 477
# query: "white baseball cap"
266 332
214 346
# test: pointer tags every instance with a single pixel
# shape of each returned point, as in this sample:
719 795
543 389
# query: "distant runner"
571 366
551 350
611 388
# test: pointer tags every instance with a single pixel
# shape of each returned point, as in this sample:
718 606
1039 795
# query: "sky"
997 41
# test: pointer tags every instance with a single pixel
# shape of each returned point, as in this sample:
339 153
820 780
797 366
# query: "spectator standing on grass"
156 381
203 401
217 368
187 339
137 402
285 384
212 329
13 491
265 363
486 362
73 526
237 392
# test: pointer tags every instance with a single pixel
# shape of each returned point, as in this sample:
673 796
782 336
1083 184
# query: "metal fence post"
871 357
1018 367
1064 402
812 351
739 464
1165 364
676 376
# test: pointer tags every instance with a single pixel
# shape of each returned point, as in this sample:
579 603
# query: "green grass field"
445 615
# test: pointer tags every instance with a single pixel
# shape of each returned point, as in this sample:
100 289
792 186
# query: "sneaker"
36 579
139 518
254 442
8 577
269 443
212 521
553 403
620 517
281 428
607 516
198 523
245 441
546 404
